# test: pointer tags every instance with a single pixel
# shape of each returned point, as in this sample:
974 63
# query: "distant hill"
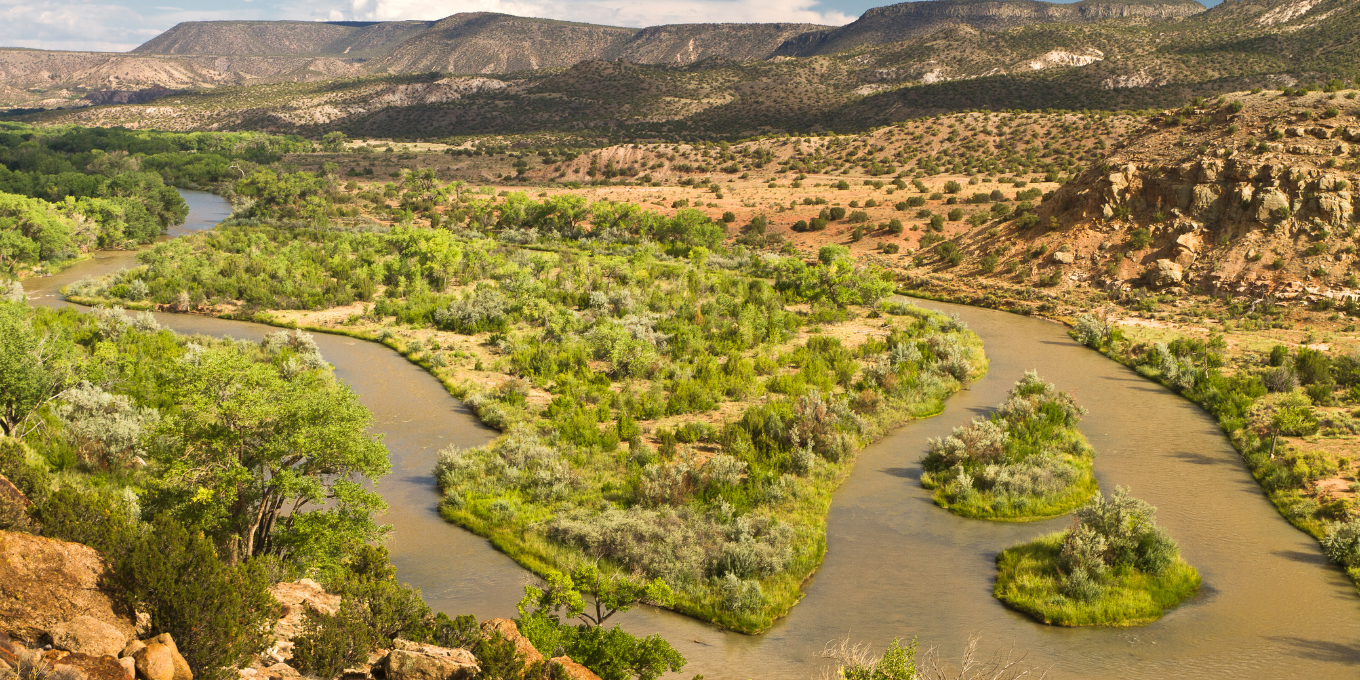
279 38
485 42
908 20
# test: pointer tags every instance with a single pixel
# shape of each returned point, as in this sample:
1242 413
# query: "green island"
1114 567
1028 461
672 408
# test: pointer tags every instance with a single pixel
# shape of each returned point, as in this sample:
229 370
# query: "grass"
1027 580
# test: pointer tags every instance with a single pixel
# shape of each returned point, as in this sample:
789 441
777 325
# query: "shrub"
1312 366
1278 355
330 643
219 615
1140 238
1342 543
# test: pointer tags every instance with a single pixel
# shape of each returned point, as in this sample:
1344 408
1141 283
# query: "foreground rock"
46 585
415 661
158 659
571 670
88 635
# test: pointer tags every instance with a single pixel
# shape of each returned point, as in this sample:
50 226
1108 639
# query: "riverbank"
1326 489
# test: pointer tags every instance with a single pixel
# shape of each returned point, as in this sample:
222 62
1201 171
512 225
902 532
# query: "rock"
160 660
88 635
415 661
129 667
1065 257
297 598
1165 273
45 582
78 666
155 662
280 670
132 648
510 631
572 670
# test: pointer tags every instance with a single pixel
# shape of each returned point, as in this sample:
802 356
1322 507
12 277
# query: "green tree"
270 459
32 369
609 593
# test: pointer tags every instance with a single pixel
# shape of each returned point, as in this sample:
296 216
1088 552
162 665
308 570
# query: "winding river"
1271 606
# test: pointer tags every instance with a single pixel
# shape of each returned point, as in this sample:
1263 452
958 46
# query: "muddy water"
898 566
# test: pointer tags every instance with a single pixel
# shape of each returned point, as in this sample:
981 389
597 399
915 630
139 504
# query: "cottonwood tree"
269 459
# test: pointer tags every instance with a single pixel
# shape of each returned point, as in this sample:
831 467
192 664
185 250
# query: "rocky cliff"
1252 194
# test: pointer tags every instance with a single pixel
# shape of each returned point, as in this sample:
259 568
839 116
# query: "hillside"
266 38
551 76
1250 195
908 20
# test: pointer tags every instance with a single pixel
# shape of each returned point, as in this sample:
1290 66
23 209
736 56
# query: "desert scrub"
1028 461
731 515
1114 567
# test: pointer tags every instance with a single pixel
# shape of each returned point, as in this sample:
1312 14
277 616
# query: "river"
897 566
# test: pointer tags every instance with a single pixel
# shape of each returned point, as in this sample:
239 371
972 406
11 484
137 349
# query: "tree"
610 594
270 459
32 370
333 142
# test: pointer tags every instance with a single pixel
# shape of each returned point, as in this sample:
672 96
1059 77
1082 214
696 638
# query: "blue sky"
120 25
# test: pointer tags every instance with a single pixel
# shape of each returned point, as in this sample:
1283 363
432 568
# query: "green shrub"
219 615
1312 366
330 643
1140 238
1278 355
1341 545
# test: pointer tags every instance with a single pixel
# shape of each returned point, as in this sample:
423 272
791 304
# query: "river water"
897 566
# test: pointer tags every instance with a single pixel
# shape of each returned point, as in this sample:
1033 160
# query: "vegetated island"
1028 461
741 383
1114 567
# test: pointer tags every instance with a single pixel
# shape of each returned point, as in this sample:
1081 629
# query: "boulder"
159 659
88 635
572 670
510 631
1065 257
155 662
45 583
414 661
1165 273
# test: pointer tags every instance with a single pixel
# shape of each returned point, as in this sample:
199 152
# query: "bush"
219 615
1140 238
330 643
1342 543
1312 366
1278 355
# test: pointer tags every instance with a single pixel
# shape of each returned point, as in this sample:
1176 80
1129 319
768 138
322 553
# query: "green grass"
1027 580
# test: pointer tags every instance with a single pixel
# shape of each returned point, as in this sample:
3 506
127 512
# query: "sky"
120 25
